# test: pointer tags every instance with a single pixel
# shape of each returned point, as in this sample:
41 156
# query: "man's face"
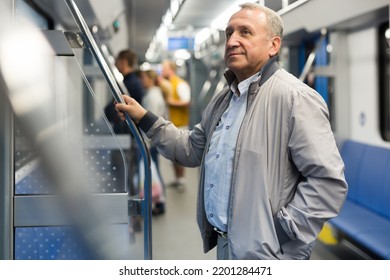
248 43
120 63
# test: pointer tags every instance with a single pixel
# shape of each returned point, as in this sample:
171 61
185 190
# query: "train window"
384 80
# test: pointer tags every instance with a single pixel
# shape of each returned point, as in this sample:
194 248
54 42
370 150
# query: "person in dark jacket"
126 63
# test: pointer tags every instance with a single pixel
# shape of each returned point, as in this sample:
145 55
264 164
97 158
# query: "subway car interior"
73 188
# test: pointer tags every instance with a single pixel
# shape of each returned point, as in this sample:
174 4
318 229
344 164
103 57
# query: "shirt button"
211 215
211 185
217 156
227 127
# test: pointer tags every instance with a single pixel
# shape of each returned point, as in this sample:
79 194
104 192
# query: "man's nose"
232 41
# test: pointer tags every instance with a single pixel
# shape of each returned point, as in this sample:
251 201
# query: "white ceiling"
200 13
139 18
143 17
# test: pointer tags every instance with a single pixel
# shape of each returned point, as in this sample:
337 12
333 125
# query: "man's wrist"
147 121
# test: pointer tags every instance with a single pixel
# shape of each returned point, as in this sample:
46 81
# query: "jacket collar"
266 72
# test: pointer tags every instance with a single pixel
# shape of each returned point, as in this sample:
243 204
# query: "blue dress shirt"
220 156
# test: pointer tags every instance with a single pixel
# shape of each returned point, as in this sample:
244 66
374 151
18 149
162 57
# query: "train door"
68 193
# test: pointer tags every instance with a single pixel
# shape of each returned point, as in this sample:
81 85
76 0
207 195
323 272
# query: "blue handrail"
146 202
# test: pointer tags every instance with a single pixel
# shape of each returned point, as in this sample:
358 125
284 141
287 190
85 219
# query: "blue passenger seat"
365 216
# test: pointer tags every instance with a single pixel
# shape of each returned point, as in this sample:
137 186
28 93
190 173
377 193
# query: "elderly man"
271 173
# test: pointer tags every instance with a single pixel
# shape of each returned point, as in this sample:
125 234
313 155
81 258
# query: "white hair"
274 21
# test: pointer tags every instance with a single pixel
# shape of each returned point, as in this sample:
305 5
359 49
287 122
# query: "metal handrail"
209 88
312 56
6 176
146 203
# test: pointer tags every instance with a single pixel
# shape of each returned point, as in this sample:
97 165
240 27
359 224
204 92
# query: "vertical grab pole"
146 209
6 176
312 56
147 201
7 160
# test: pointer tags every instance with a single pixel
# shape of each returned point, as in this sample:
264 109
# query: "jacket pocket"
280 233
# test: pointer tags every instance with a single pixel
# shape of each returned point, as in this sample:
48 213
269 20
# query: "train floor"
176 235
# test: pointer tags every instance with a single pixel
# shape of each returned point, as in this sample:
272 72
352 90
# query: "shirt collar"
266 71
243 86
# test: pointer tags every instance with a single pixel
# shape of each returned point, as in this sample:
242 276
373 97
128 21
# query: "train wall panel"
363 79
327 13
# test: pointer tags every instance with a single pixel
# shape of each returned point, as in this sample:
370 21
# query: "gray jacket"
288 176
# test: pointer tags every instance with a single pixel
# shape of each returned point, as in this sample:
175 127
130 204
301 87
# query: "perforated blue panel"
49 243
103 170
105 173
34 183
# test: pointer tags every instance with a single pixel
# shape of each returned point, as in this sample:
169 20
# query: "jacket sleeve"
322 188
182 146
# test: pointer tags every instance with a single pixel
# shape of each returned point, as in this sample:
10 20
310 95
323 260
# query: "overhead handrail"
117 94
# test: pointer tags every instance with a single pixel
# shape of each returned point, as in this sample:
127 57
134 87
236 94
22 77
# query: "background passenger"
126 62
179 112
153 101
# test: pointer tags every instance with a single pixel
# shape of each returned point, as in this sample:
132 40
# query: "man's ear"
276 42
